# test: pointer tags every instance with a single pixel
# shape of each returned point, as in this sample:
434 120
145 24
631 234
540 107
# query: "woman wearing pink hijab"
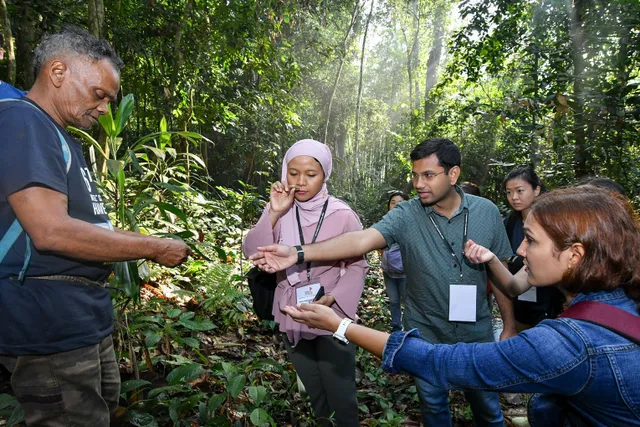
300 211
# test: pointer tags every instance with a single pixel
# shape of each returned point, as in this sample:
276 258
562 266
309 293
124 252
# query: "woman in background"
522 186
395 280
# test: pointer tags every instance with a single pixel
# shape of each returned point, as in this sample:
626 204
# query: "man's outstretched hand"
274 258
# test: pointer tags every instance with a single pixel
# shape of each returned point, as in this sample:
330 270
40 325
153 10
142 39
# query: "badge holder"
462 296
308 290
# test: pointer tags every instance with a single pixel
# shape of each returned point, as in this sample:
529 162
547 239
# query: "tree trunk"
433 62
359 102
345 43
96 17
5 25
95 21
177 51
26 41
409 68
577 13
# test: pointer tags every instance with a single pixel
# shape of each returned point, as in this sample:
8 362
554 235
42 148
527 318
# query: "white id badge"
462 302
305 292
530 296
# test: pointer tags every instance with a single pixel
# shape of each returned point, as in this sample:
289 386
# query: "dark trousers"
328 371
73 388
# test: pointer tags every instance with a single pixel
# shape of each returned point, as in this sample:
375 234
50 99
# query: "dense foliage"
214 92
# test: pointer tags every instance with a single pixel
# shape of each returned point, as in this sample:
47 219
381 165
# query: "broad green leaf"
88 138
7 400
126 276
157 151
127 386
202 325
173 209
185 373
168 389
187 315
151 340
124 113
114 167
134 161
140 419
107 123
171 187
236 384
260 417
257 394
215 401
173 313
192 342
17 416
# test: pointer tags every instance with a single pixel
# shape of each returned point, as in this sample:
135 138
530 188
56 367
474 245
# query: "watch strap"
342 329
300 254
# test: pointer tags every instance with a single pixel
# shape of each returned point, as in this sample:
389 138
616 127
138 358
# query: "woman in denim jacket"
586 242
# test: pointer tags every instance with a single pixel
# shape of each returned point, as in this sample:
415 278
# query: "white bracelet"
342 329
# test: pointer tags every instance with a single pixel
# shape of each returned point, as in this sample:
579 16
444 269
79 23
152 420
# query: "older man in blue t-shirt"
55 313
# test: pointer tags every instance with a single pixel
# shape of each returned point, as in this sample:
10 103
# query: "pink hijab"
311 209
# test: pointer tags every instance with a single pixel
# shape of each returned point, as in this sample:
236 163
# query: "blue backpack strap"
14 232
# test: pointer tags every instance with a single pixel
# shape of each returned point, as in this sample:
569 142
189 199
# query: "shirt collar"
599 296
464 204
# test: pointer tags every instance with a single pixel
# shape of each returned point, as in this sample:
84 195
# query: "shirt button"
455 265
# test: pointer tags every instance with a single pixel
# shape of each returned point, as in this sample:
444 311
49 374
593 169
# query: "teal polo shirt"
430 268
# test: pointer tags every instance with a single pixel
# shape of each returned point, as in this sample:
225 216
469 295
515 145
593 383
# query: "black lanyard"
464 237
315 234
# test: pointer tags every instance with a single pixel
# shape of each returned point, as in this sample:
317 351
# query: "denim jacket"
585 374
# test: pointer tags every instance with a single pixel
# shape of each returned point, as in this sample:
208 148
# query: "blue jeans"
434 406
396 290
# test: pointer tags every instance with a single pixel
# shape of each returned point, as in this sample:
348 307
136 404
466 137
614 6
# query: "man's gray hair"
74 40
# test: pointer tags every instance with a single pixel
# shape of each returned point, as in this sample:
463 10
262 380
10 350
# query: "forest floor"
384 399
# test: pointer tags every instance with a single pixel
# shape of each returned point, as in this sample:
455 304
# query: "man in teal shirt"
446 294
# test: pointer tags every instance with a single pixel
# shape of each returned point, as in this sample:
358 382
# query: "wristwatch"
342 329
300 254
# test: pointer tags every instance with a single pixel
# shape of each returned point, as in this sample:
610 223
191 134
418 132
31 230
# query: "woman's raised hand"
281 197
477 254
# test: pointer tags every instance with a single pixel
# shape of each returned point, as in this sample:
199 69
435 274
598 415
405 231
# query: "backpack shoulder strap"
15 230
66 151
613 318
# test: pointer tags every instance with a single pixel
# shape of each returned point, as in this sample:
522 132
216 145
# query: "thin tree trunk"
433 62
345 43
409 68
177 50
359 102
26 41
96 17
95 20
5 25
577 12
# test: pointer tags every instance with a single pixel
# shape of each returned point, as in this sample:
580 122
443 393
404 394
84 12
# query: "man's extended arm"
43 214
274 258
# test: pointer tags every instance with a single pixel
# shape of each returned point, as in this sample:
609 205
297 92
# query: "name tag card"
306 292
530 296
462 302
